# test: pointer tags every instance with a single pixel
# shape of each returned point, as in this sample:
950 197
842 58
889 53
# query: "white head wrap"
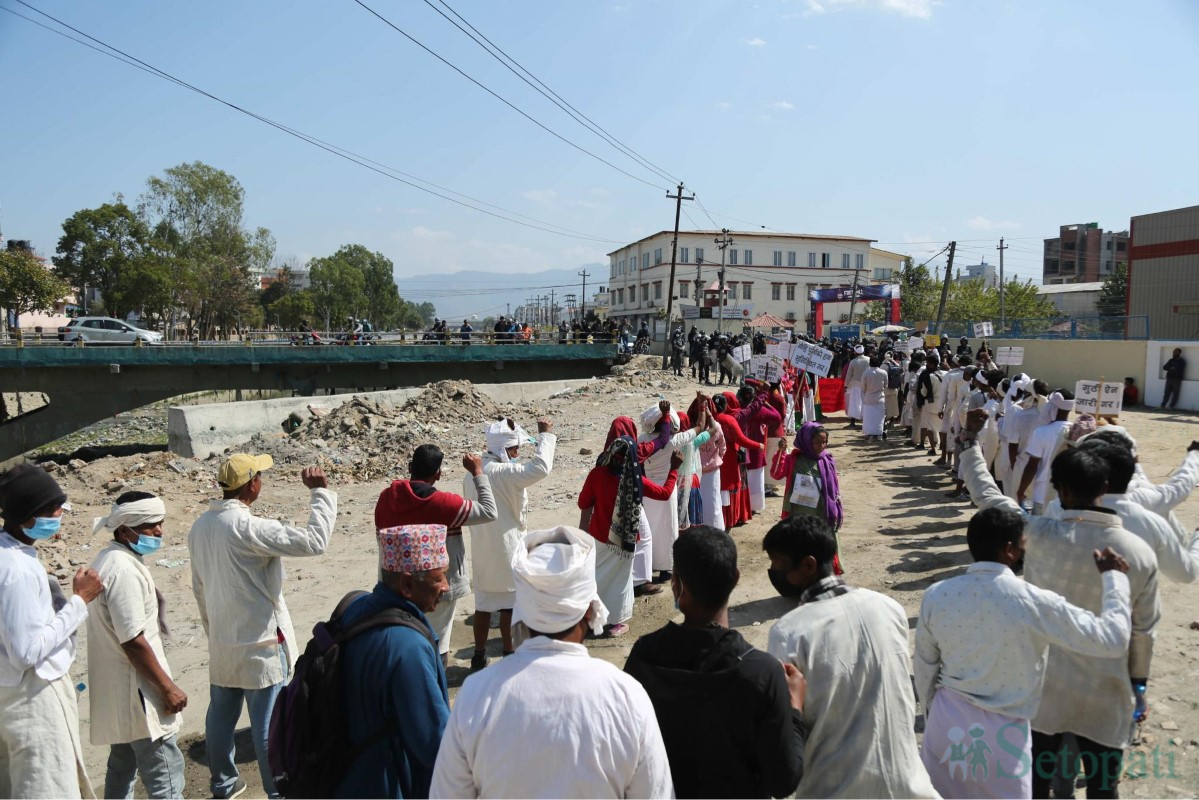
500 437
859 349
1121 433
651 415
133 514
981 378
555 581
1060 403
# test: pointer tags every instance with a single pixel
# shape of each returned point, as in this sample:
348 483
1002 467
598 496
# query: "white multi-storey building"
764 272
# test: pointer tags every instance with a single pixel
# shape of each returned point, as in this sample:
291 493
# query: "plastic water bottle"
1138 691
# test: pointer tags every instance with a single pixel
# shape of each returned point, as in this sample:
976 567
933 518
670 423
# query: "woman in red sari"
734 496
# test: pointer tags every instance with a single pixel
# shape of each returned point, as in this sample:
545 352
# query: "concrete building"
988 273
1083 253
1163 272
764 272
1074 299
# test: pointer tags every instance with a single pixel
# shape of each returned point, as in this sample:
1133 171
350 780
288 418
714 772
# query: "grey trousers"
160 763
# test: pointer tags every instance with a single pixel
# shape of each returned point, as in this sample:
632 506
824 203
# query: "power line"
494 94
495 51
375 166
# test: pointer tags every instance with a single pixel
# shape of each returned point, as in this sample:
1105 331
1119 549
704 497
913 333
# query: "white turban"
1121 433
555 581
859 349
500 437
651 415
981 378
133 514
1060 403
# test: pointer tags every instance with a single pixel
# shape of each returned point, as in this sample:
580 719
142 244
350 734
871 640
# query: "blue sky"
907 121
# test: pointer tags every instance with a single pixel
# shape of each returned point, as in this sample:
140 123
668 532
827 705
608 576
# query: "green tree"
292 309
26 285
338 290
101 248
1113 297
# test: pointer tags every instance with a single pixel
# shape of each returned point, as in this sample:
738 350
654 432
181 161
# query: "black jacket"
724 710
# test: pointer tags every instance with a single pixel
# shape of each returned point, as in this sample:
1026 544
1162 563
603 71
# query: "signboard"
932 340
741 353
845 332
779 351
845 294
1009 356
910 345
731 313
766 368
811 357
984 330
1088 401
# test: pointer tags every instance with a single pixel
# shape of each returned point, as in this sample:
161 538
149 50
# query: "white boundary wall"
1157 354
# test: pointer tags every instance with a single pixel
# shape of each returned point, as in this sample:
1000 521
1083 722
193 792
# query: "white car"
106 330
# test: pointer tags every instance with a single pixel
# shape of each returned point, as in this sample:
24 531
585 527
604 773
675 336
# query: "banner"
984 330
846 294
811 357
1088 401
1009 356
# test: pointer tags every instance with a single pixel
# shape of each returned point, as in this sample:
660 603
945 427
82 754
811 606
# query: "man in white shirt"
853 384
851 645
981 644
1045 443
135 703
874 401
40 753
953 385
929 401
1093 698
493 543
237 578
550 721
1160 499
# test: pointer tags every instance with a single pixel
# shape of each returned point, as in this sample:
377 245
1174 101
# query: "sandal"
619 629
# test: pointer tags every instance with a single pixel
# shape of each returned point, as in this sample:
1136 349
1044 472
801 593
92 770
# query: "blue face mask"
43 527
145 545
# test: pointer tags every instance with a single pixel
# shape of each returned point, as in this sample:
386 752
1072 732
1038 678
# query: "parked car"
106 330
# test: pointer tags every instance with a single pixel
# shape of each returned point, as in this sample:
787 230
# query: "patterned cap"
413 548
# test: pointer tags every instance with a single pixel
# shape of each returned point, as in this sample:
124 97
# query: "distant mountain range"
458 295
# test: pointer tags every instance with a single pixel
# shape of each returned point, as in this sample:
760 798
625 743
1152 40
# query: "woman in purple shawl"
811 475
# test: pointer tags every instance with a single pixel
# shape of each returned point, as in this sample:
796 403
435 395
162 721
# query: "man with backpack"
894 383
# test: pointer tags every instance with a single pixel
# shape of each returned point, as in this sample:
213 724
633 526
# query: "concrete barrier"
1065 362
199 431
1153 388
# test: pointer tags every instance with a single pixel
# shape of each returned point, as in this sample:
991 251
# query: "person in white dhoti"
550 721
981 644
135 702
853 385
40 753
874 400
493 543
663 515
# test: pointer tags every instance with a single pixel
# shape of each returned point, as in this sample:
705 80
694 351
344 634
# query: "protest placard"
1009 356
812 357
984 329
910 345
1087 399
741 353
779 351
932 340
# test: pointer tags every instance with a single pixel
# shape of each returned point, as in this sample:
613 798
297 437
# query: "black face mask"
783 586
1018 567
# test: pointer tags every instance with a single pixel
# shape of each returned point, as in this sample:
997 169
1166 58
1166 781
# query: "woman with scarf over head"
811 475
689 500
711 459
663 515
734 496
760 420
643 555
611 504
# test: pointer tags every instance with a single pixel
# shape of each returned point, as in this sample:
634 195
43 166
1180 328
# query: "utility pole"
583 314
1002 310
853 296
723 242
674 248
553 308
953 246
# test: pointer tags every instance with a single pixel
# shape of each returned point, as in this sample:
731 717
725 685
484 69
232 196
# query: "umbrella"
892 329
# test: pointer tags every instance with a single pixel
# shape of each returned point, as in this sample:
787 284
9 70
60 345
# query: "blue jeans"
160 763
224 709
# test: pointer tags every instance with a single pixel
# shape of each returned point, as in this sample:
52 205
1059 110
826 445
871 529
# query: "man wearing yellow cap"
237 577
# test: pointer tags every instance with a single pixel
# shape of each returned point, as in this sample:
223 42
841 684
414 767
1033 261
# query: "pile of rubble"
364 439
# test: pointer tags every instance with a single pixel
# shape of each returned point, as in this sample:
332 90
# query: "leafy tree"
428 313
293 308
1113 297
101 248
26 285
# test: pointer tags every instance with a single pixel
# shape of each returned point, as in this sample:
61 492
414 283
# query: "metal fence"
1130 327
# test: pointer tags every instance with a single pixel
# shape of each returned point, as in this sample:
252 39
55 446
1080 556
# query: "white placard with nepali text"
741 353
984 329
812 358
766 368
1009 356
1088 401
779 351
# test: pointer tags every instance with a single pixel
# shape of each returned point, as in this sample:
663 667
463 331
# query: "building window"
825 260
748 292
859 261
845 261
699 255
791 292
882 274
682 290
811 261
683 255
645 291
732 256
657 256
790 258
776 291
749 258
732 291
1109 244
612 272
778 258
645 260
657 290
620 297
1121 246
632 294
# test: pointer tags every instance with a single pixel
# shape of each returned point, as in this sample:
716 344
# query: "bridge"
84 385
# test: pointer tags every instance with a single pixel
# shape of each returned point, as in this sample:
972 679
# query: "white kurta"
853 402
862 716
709 487
552 700
643 556
493 543
614 581
663 515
